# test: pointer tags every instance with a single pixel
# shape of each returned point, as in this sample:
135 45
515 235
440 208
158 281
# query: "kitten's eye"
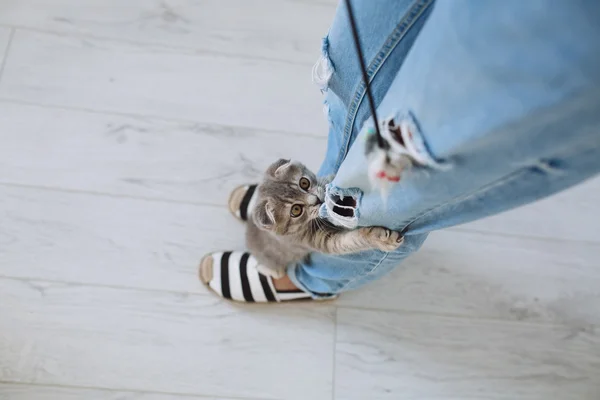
304 183
296 210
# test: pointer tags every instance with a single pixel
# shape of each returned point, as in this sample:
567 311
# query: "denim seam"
371 270
466 197
416 10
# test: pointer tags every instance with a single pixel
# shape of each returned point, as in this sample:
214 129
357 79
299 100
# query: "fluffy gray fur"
277 238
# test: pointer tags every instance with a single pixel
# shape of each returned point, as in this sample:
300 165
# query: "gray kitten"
285 226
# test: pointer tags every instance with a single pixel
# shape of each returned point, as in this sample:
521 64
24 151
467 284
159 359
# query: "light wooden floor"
123 127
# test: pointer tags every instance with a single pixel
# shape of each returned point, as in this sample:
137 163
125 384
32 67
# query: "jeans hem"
291 273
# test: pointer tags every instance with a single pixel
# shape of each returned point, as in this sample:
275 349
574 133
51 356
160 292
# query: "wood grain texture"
145 157
165 342
151 80
33 392
485 275
110 241
572 214
260 28
388 355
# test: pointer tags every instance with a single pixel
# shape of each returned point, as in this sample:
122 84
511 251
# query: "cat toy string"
392 146
365 77
381 171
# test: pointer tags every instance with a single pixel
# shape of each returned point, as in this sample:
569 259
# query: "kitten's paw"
273 273
383 239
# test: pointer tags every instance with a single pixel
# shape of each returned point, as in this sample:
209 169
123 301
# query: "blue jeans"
505 93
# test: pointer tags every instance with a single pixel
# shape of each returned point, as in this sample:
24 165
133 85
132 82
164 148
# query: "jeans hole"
346 208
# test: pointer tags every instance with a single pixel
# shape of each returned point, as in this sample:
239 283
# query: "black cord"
365 77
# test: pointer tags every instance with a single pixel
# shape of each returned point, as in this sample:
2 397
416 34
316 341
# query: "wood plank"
110 241
260 28
150 80
61 334
570 214
486 275
388 355
34 392
143 157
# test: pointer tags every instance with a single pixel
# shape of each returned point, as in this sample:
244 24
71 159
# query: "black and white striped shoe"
233 275
241 201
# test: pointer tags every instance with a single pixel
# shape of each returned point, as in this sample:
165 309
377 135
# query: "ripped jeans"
505 93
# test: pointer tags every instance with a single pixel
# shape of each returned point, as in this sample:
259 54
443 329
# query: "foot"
241 201
382 238
284 284
233 275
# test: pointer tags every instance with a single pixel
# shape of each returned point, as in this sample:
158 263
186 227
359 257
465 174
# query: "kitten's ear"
278 167
264 215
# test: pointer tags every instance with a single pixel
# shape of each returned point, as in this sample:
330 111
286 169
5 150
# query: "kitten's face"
288 198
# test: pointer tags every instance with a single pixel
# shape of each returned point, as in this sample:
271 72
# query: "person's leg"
508 95
390 28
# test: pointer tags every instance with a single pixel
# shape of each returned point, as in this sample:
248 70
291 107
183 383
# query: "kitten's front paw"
383 238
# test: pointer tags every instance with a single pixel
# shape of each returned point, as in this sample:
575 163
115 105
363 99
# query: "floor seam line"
110 195
183 49
105 389
455 316
11 36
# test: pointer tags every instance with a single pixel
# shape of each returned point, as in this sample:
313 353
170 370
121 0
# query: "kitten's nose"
312 199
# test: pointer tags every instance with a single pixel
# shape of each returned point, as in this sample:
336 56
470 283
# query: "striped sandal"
233 275
241 201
